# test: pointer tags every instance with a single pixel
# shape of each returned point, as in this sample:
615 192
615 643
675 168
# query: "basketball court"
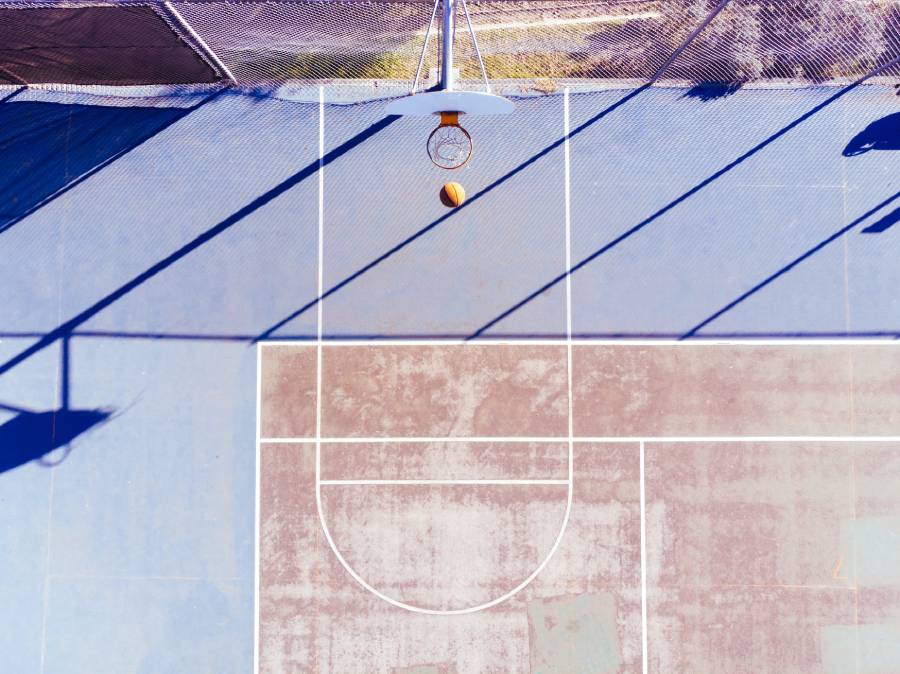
455 337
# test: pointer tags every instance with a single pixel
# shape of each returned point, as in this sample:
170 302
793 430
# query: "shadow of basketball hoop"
46 436
36 436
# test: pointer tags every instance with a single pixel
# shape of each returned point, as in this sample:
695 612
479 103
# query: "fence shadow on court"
69 327
480 332
835 236
48 148
653 217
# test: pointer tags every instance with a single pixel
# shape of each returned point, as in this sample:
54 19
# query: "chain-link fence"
538 42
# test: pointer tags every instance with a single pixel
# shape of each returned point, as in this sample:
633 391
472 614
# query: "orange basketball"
452 195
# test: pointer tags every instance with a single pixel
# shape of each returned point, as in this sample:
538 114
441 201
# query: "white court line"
258 522
320 285
748 438
591 439
567 222
643 565
413 439
442 482
562 341
568 244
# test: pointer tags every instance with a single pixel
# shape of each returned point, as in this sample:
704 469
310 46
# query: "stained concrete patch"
868 649
574 635
876 542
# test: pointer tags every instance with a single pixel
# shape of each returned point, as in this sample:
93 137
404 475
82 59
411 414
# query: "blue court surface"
148 242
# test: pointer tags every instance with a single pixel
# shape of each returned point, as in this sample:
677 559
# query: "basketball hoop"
449 145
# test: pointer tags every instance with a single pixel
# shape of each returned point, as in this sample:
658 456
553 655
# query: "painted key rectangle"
499 390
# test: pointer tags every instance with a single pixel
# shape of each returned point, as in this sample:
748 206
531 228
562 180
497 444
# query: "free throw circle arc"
569 482
436 102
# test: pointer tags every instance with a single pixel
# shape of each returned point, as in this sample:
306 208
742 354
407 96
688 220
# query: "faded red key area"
439 391
443 483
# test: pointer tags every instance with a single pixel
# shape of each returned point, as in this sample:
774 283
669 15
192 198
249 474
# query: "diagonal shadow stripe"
15 93
684 197
788 267
66 328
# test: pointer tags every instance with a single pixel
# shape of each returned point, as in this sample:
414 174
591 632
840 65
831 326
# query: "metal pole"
425 46
447 47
